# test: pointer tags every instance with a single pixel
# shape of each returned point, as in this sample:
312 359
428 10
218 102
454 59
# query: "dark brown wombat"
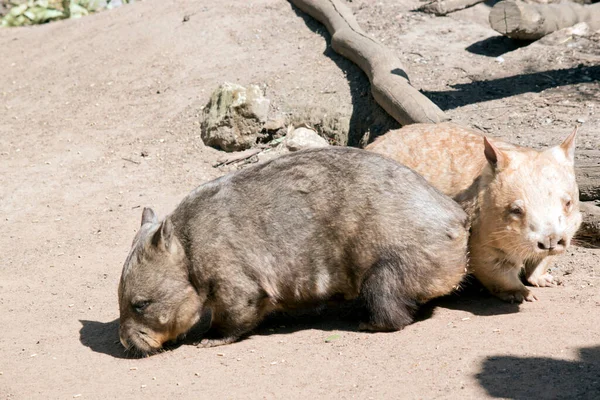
291 232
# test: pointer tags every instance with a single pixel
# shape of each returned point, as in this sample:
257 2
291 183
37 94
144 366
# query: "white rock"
303 138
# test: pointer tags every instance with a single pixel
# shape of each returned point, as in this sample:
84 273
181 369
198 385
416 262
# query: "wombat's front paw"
205 343
544 280
516 296
368 327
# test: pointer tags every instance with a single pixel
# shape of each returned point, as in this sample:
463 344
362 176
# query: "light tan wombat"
523 203
290 232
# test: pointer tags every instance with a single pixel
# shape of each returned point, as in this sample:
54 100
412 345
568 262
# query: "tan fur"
491 181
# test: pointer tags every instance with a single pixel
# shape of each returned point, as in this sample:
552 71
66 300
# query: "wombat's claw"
545 280
531 297
517 296
206 343
367 327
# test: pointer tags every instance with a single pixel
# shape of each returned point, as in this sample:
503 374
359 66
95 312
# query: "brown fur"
523 203
293 231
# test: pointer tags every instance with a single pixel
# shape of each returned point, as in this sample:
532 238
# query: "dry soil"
99 117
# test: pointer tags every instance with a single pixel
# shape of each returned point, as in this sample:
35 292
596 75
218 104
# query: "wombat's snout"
124 342
554 243
123 338
140 341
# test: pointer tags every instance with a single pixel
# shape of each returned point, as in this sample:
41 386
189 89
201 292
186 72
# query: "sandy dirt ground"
82 100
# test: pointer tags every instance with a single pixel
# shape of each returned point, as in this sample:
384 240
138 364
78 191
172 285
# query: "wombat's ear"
164 235
496 157
568 146
148 216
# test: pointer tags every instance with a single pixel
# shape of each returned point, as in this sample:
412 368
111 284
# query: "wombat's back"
323 217
294 231
449 156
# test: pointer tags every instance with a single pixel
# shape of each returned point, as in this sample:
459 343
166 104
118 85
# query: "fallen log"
589 232
588 179
526 21
443 7
389 82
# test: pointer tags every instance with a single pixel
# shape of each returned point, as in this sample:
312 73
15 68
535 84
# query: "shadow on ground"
475 299
102 337
535 82
496 46
368 119
542 378
325 318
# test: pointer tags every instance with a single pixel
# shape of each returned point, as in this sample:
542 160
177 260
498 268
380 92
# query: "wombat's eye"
517 211
568 204
517 208
140 306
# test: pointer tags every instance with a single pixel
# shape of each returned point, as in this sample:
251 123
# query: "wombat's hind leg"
388 307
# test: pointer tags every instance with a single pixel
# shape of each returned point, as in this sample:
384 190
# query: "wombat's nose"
551 242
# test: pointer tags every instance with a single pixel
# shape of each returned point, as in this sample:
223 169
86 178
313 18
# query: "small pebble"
143 386
220 354
76 395
133 368
274 362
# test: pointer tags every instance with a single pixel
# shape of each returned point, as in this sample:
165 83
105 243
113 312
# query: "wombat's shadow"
475 299
542 378
103 337
472 297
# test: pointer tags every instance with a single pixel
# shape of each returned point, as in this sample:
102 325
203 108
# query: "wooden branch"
525 21
239 156
389 82
443 7
588 179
